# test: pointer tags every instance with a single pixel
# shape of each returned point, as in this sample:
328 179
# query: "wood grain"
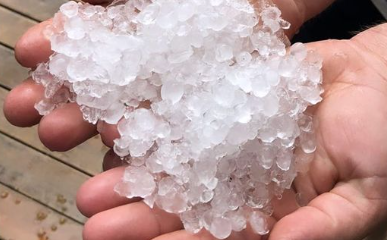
12 26
36 9
11 73
39 177
24 219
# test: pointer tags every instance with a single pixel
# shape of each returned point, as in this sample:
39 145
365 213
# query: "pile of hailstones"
209 103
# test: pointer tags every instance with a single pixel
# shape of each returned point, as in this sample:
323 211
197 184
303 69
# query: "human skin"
347 181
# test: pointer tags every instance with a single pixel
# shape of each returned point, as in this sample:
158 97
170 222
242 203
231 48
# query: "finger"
321 178
98 1
292 12
34 46
305 189
134 221
297 12
286 205
64 128
183 234
336 55
98 195
348 212
108 133
111 160
19 105
246 234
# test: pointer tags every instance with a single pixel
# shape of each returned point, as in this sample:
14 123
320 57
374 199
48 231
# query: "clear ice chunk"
143 188
258 223
220 227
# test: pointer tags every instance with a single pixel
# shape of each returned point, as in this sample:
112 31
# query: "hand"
348 177
347 181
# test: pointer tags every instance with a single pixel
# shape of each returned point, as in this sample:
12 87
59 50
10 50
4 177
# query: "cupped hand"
347 181
345 188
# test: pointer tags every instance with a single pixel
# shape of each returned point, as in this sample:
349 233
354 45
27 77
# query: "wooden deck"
37 186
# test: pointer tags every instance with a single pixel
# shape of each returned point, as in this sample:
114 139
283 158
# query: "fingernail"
301 200
48 32
100 126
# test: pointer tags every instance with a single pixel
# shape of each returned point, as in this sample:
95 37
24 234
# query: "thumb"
297 12
345 213
353 208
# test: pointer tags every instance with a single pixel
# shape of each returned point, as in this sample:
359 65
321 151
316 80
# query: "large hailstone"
209 103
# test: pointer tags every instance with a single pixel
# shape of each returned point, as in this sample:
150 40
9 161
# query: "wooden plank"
87 156
11 73
22 218
381 5
12 26
40 177
36 9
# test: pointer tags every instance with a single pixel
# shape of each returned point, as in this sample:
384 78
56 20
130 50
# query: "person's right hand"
346 186
64 128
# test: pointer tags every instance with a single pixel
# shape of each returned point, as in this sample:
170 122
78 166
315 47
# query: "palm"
351 117
349 169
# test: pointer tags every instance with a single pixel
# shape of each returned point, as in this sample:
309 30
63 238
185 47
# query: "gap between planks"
11 73
16 11
24 218
12 26
35 200
40 178
46 153
38 10
14 74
